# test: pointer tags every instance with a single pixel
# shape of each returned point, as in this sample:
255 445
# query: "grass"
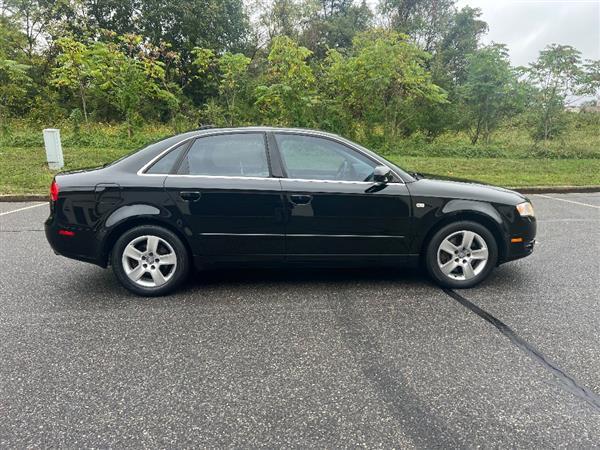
24 170
511 159
509 172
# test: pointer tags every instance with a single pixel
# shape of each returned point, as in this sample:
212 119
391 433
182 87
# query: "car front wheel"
461 254
150 260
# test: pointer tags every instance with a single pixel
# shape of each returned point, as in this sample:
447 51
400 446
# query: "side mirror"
381 174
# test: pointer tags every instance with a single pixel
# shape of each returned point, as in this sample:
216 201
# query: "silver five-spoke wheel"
462 255
149 261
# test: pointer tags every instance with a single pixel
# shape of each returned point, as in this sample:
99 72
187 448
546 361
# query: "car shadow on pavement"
101 287
291 277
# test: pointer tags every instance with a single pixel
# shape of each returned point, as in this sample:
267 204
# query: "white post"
54 153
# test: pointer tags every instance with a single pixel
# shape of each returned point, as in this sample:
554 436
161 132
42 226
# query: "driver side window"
315 158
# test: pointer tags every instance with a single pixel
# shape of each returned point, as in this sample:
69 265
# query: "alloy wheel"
462 255
149 261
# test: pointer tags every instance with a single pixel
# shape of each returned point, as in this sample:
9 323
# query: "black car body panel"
276 218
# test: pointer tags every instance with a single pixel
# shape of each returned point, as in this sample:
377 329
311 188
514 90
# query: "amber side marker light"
66 233
516 240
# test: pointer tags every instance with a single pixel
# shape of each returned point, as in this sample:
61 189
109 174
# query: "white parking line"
569 201
22 209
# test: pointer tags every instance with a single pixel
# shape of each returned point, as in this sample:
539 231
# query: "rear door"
333 209
231 205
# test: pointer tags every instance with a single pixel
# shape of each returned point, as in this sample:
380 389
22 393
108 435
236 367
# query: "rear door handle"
190 196
300 199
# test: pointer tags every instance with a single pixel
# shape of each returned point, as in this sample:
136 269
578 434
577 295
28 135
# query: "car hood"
466 191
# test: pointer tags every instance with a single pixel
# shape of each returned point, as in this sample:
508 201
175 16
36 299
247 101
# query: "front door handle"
190 196
300 199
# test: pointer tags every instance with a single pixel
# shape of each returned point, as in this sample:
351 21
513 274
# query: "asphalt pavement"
304 358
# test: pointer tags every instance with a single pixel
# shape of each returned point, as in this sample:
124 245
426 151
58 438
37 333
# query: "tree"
14 82
379 83
591 79
74 69
457 40
280 18
425 21
460 40
333 24
286 94
490 91
117 16
230 74
12 40
180 25
129 77
185 24
38 20
234 71
15 79
557 74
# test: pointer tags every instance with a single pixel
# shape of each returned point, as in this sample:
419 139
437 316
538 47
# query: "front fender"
457 206
446 212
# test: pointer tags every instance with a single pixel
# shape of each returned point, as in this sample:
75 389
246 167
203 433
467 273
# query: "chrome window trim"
227 177
222 177
141 172
146 166
305 180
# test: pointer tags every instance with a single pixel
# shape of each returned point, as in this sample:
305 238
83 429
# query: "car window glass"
315 158
165 164
240 155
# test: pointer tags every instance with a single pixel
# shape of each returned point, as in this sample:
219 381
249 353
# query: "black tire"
431 255
177 274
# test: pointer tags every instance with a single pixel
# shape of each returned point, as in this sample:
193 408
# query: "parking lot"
327 358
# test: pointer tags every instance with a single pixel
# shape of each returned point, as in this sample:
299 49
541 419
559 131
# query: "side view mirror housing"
381 174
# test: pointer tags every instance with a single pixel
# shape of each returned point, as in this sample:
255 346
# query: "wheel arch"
473 216
135 221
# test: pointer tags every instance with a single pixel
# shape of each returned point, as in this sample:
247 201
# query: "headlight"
525 209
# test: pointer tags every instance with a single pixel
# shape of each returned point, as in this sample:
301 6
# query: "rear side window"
240 155
165 164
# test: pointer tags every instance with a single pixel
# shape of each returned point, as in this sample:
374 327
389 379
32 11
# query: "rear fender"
127 217
126 212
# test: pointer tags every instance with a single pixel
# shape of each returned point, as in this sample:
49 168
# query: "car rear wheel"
461 254
150 260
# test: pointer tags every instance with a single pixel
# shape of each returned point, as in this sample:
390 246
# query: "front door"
334 209
232 207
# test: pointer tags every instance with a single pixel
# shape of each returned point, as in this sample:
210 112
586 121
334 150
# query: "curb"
24 198
555 189
522 190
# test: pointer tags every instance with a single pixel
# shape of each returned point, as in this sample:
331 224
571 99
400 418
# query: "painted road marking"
569 201
22 209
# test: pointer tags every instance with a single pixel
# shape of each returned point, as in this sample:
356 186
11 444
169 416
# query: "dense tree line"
407 66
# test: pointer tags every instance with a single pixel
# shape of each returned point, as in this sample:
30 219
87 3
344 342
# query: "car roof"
262 129
141 158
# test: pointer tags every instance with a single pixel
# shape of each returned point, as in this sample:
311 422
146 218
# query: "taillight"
54 191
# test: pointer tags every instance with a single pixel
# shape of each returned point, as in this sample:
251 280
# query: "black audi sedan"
273 197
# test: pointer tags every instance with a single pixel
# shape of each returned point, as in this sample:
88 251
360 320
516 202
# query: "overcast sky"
527 26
